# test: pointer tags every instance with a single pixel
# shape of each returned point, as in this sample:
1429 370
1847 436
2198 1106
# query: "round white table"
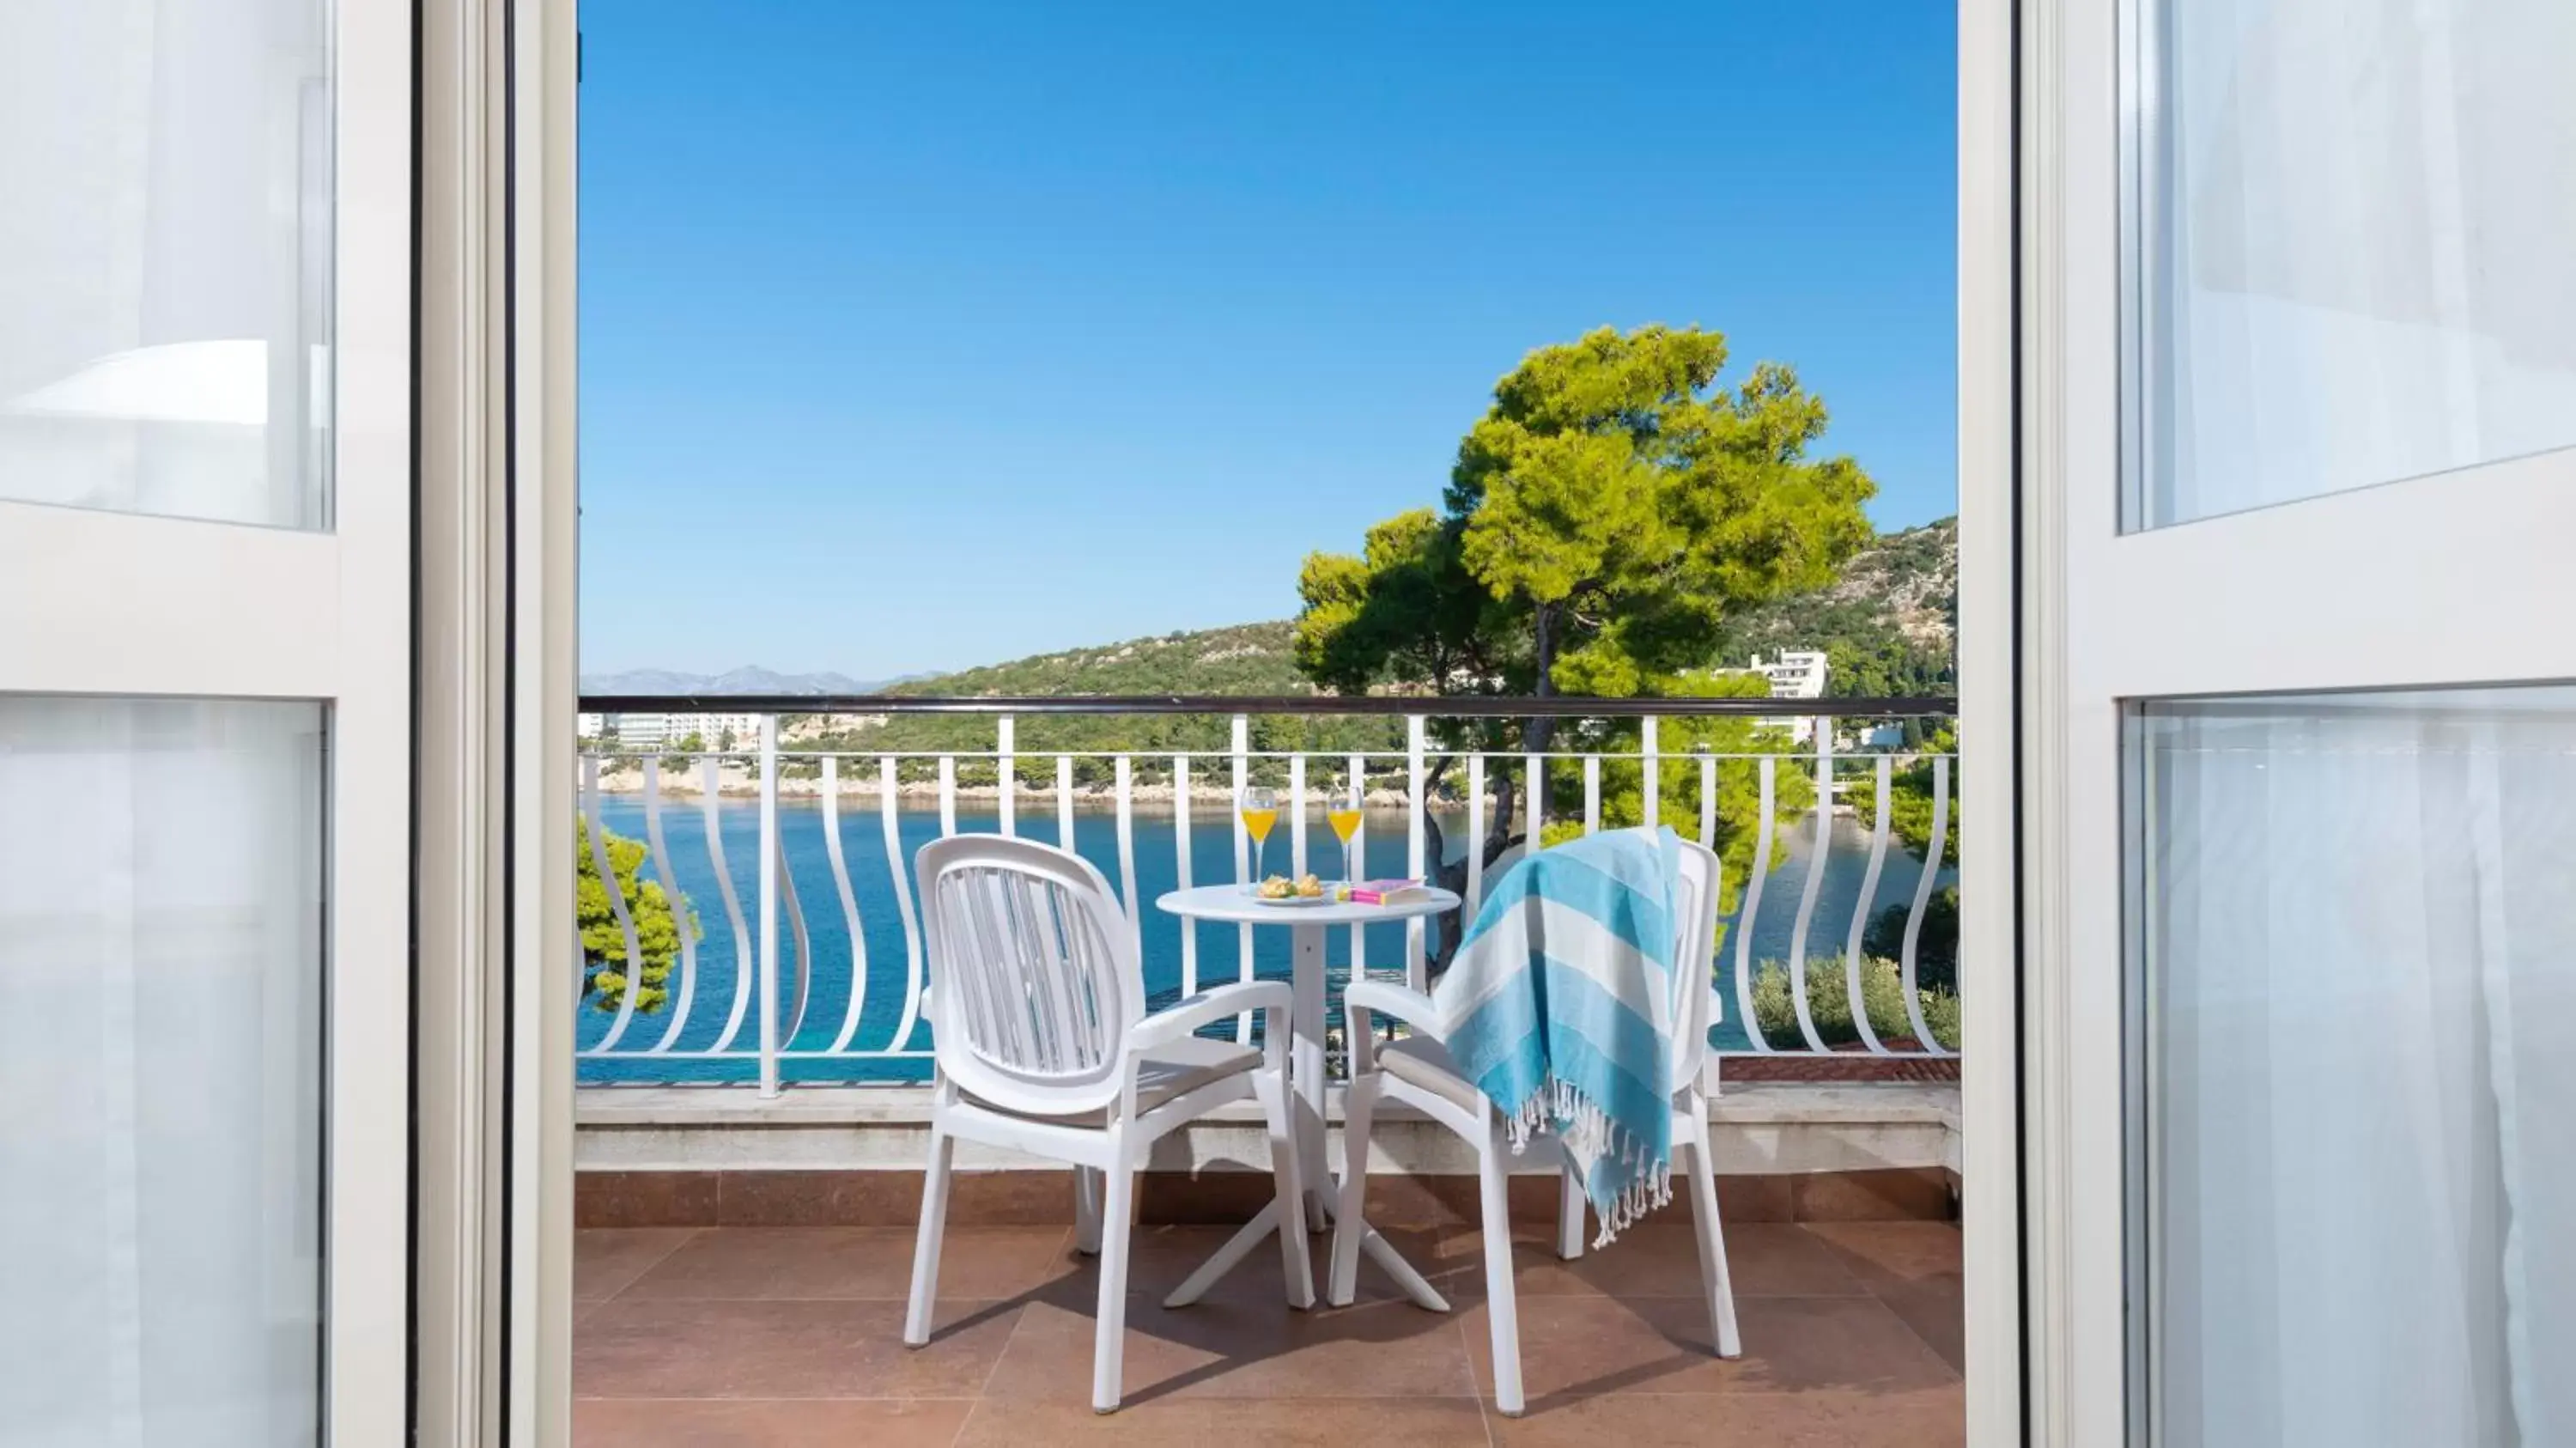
1307 926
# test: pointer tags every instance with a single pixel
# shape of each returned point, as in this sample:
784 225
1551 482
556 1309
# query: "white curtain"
2359 923
160 1073
165 268
2357 245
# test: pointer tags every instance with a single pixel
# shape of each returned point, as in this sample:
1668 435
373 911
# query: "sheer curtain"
160 1072
2356 239
165 257
2358 927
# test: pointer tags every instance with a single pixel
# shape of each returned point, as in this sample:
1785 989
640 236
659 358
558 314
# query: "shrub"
1936 948
1882 987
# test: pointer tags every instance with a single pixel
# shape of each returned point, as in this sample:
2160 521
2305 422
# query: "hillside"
1247 658
1887 623
1241 659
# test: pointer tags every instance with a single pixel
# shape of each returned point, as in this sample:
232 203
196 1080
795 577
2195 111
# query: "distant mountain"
1244 658
735 681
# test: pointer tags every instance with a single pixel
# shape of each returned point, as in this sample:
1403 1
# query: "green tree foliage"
1882 992
1604 517
603 944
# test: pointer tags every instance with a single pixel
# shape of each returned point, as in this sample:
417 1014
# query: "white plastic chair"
1043 1046
1417 1070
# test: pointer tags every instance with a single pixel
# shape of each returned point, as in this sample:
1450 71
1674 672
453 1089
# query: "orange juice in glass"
1345 820
1260 812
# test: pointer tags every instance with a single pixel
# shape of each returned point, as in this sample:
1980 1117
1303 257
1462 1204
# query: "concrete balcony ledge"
1765 1129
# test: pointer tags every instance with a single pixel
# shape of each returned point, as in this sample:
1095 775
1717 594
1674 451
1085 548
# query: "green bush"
1936 946
1882 988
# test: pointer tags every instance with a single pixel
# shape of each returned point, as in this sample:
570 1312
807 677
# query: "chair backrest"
1695 916
1694 958
1034 978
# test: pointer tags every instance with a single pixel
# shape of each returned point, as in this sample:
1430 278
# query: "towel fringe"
1561 1109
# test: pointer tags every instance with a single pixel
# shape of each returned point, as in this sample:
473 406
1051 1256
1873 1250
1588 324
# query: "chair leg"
1295 1263
1108 1354
1570 1205
1086 1210
1714 1278
925 1242
1493 1189
1359 1108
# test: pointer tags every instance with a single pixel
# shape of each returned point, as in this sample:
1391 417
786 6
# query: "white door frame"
120 604
498 628
1990 684
2363 589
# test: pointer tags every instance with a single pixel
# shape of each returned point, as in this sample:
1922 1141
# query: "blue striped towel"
1560 1009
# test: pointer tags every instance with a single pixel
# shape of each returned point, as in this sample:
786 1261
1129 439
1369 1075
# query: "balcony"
753 1111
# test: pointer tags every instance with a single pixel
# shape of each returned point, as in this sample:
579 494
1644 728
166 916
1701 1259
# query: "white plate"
1291 902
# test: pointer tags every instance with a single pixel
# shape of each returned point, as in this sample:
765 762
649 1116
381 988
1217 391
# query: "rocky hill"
1888 622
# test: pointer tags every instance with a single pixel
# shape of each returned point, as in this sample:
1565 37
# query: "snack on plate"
1280 887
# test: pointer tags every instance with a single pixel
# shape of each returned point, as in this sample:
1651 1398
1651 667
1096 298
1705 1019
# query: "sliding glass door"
205 642
2302 378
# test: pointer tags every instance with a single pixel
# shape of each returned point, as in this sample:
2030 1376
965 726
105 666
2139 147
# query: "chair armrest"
1185 1016
1364 998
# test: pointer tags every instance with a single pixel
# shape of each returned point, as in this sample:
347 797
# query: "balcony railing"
1813 959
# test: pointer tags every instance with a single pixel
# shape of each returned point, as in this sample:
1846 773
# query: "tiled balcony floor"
730 1337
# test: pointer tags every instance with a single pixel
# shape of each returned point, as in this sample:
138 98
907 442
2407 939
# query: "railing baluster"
1591 794
1416 841
947 795
681 999
1860 914
600 860
889 811
771 857
1762 832
1651 766
1534 771
1359 846
1475 838
1297 816
794 907
1707 798
849 905
1242 863
1006 779
1181 877
710 798
1816 863
1125 775
1922 901
1064 801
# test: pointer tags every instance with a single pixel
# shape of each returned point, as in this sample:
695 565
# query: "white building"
1795 674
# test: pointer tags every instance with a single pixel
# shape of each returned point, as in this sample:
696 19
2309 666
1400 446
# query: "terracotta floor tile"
1909 1252
854 1262
631 1348
1193 1422
606 1259
1236 1348
767 1423
1575 1346
1659 1259
1913 1418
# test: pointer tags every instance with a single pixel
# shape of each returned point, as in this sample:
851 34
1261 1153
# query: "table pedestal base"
1372 1245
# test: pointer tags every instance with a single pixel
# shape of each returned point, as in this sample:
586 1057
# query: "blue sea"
828 991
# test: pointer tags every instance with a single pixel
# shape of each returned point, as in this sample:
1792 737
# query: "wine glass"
1345 820
1260 811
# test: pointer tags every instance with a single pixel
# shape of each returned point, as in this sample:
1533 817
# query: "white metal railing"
710 1020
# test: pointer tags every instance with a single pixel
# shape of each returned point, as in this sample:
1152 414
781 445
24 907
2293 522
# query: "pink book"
1383 892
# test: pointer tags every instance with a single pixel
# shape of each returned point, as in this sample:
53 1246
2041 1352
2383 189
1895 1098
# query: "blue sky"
919 336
